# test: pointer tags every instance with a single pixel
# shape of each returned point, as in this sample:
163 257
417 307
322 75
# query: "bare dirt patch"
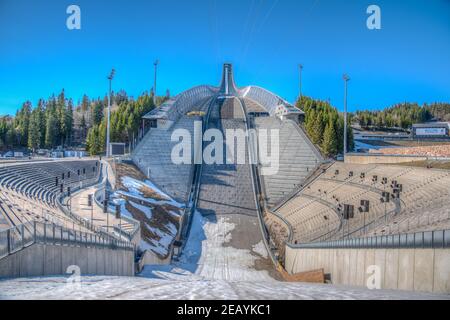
161 216
126 170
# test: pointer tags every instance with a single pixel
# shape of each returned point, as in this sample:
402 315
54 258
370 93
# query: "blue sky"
407 60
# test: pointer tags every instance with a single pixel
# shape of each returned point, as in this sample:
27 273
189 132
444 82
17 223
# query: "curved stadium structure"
239 223
304 206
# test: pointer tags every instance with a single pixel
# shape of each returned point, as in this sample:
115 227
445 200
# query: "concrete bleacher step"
153 156
35 181
297 159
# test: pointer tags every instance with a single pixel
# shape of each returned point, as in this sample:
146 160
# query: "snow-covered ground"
209 269
208 256
178 286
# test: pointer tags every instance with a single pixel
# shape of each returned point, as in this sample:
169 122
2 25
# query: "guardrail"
425 239
16 239
98 198
195 185
84 222
267 99
257 187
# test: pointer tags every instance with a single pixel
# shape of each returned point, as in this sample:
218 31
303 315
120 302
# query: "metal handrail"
257 190
17 238
98 195
193 195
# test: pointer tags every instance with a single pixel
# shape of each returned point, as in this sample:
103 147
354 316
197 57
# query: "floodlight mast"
346 78
300 69
110 78
156 63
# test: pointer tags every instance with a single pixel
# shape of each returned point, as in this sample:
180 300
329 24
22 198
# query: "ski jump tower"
228 87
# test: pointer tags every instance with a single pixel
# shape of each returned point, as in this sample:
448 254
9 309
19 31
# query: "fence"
424 240
99 197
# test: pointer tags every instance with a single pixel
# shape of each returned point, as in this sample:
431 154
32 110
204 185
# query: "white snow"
170 283
166 238
134 189
166 233
207 255
146 210
260 249
134 186
123 209
208 269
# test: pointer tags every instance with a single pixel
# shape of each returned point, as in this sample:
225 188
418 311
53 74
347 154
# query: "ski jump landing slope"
227 201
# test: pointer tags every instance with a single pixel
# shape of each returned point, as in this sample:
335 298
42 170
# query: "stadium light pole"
300 69
155 64
110 78
346 79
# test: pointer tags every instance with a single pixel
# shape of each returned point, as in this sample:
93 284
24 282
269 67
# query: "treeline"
439 110
325 126
126 119
403 115
47 125
57 122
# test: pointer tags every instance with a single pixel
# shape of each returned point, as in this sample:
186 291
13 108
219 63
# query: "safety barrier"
15 239
426 239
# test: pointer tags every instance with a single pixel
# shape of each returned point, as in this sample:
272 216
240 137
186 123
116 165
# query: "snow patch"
260 249
207 255
146 210
170 283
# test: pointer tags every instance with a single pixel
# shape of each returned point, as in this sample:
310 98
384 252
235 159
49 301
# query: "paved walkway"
95 213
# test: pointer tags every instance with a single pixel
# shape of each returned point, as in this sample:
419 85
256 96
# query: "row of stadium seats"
254 107
297 158
153 157
315 215
37 182
231 109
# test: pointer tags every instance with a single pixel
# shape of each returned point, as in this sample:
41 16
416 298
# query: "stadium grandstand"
25 186
312 220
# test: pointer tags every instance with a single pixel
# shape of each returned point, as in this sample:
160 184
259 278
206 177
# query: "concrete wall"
426 270
382 159
150 258
46 260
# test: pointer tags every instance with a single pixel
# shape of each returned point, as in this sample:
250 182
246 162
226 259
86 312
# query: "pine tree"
317 129
22 122
97 113
41 121
33 131
329 143
51 124
85 103
61 114
68 123
92 141
83 127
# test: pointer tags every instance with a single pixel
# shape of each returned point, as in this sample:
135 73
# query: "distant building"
431 130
